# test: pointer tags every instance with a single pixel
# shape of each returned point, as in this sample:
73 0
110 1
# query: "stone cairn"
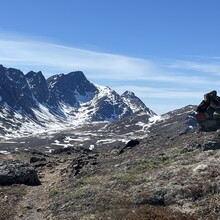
208 112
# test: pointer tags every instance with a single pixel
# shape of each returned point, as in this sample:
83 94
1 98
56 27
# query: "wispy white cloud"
56 57
167 81
212 67
161 93
162 100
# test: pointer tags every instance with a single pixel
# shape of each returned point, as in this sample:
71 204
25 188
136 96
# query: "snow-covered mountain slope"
109 105
31 102
135 103
100 135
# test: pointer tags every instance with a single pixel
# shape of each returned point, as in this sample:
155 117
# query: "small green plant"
89 180
23 210
5 211
83 192
123 177
141 165
175 152
80 193
53 191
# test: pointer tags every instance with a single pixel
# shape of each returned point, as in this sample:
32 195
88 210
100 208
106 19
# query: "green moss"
89 180
135 168
23 210
175 152
53 191
123 177
82 193
142 165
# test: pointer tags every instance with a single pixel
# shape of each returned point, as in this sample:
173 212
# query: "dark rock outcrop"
81 161
211 145
15 91
151 198
191 147
132 143
117 150
69 150
209 125
38 85
69 88
38 161
17 172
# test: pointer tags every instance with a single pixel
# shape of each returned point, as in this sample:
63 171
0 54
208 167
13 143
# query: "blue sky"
166 51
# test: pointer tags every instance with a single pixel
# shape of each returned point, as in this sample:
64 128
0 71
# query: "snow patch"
4 152
155 118
84 98
91 147
62 145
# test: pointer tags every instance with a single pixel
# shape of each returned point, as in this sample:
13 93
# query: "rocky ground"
163 176
129 170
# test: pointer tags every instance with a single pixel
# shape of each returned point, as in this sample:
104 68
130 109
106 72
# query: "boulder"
209 125
70 150
117 150
17 172
191 147
132 143
81 161
211 145
143 197
38 161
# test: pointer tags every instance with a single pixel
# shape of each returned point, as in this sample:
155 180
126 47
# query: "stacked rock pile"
208 112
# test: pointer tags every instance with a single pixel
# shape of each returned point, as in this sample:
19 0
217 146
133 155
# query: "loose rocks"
17 172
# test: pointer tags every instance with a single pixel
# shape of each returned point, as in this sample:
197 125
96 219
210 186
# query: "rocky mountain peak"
135 103
15 75
15 91
71 88
109 105
35 78
37 75
60 98
77 75
128 94
38 85
2 68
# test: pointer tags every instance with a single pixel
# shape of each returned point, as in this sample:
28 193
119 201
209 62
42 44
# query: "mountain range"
94 154
29 101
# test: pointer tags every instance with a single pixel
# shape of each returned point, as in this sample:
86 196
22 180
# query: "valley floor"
163 177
